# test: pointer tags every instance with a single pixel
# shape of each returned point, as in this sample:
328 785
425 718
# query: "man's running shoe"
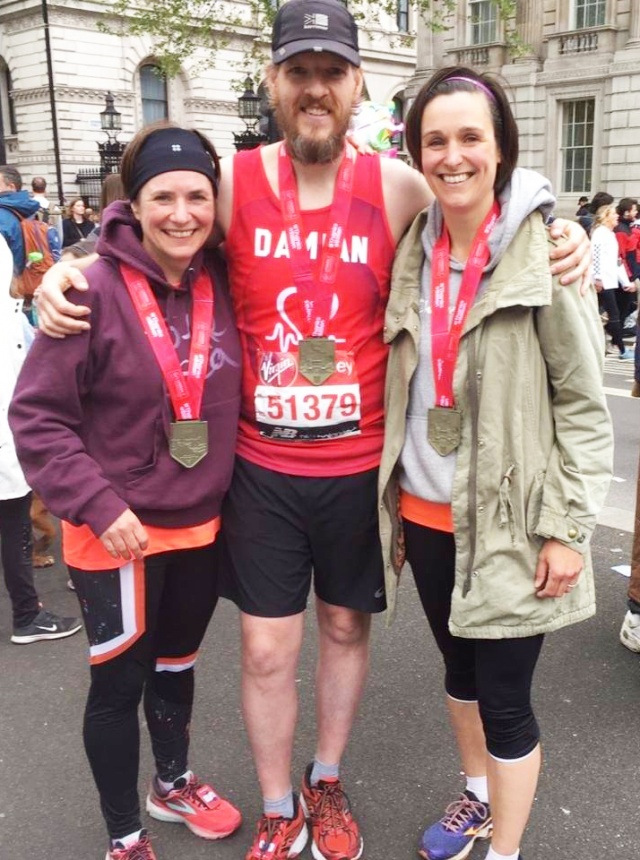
44 626
335 834
195 804
630 631
452 838
279 838
140 850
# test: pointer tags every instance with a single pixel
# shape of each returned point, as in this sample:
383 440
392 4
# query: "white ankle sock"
478 785
493 855
169 786
129 840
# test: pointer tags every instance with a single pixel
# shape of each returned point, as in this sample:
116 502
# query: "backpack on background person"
38 253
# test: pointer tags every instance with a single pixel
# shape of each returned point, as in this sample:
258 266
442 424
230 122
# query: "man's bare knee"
270 646
342 626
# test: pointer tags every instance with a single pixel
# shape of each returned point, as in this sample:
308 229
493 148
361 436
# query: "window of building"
590 13
7 112
483 15
153 92
577 145
402 16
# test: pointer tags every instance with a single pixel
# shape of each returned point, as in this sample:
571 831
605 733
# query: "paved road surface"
400 769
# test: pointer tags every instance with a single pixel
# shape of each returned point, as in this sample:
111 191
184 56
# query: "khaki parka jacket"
536 452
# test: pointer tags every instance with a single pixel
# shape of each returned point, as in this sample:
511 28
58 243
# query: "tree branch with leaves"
186 30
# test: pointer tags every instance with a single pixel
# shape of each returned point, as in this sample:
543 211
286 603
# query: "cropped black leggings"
145 623
497 673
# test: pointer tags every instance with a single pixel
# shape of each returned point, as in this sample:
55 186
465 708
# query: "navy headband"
170 149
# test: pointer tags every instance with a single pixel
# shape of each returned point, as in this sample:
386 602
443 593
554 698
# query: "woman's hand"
56 316
558 569
573 257
126 537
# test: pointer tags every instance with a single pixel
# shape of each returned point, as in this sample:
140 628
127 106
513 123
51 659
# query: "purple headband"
485 89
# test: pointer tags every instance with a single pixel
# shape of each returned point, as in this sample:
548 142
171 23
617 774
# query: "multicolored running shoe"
452 838
195 804
140 850
279 838
334 831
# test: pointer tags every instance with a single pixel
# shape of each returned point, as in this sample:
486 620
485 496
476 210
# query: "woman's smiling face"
460 154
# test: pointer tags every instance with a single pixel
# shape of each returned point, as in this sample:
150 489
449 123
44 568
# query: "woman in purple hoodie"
128 434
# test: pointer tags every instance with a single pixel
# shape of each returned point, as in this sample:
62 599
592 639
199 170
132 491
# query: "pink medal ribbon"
189 439
315 293
444 340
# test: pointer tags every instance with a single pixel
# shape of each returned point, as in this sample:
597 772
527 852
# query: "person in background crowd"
601 198
31 623
162 360
15 201
38 192
605 274
627 236
111 190
583 208
628 242
76 226
494 382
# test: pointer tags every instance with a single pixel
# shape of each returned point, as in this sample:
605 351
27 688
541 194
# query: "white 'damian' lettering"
355 249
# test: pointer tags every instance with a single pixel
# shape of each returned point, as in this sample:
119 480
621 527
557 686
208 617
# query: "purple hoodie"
91 413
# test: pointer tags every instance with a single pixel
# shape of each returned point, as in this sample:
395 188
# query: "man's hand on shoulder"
58 317
571 258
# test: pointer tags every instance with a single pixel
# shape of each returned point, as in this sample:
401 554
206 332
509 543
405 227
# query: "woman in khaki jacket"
498 445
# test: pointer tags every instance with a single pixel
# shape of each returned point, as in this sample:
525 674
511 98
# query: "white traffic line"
616 518
619 392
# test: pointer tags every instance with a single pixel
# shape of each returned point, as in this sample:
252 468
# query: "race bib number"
289 409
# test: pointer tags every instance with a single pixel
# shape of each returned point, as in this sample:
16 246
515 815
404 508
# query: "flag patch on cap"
316 22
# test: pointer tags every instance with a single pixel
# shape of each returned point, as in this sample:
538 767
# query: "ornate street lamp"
111 150
110 119
249 113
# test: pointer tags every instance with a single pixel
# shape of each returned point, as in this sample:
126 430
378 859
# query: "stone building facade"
575 90
86 63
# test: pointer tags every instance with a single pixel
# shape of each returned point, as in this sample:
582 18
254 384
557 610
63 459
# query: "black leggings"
608 302
174 595
497 673
16 546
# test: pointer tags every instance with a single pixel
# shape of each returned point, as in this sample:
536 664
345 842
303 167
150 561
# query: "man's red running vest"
286 423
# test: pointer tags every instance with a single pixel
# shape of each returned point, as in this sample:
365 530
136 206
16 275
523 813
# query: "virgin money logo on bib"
278 368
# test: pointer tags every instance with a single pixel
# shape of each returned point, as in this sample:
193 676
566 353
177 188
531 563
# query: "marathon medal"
317 359
188 442
444 427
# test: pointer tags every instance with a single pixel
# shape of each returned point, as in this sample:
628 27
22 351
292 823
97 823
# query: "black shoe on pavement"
46 625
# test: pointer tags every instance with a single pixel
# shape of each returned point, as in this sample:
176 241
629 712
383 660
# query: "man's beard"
309 150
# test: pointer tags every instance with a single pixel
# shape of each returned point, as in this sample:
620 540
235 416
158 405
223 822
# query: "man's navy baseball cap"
315 25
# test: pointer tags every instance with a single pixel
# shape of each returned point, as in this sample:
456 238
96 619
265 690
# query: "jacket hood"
525 192
121 239
20 201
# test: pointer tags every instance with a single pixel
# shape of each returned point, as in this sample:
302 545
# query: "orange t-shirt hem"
433 515
82 549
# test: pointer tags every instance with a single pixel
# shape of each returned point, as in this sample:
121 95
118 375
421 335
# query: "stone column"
428 58
529 17
634 24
